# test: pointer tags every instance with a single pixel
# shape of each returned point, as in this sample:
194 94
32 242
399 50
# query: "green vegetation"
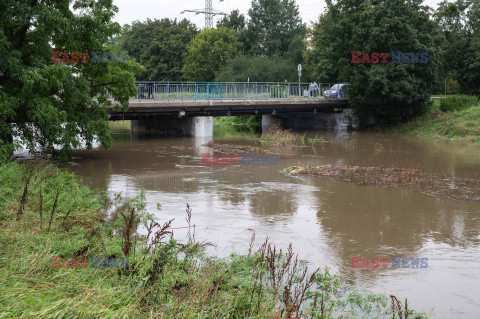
120 130
243 126
234 131
258 69
160 46
459 22
46 212
458 102
243 120
208 52
317 139
274 28
56 106
387 93
462 125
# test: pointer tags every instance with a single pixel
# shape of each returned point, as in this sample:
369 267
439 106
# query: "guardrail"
228 90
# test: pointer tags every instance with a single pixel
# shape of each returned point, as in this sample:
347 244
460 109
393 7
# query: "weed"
53 209
127 230
458 102
23 199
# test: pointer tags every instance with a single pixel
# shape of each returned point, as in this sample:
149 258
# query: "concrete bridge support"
343 120
270 121
198 126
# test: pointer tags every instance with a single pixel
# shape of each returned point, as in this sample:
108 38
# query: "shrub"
458 102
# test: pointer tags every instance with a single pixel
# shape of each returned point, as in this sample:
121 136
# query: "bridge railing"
228 90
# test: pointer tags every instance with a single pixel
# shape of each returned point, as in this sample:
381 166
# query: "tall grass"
461 125
458 102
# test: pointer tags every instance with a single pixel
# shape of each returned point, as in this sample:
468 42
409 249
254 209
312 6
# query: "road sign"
299 70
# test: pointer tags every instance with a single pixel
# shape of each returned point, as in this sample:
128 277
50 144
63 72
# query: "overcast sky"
131 10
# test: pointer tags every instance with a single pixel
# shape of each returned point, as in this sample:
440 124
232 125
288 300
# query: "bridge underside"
195 118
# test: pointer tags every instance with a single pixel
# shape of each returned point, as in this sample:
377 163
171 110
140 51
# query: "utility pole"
209 13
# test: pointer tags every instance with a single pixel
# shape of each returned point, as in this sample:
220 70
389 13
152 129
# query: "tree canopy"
208 51
235 20
257 69
58 106
275 28
385 92
460 24
160 46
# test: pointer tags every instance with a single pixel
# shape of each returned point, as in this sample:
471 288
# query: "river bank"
461 125
46 214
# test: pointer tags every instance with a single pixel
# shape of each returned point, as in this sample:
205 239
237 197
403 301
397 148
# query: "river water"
327 221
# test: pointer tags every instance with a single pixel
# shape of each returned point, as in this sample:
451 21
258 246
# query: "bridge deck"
147 108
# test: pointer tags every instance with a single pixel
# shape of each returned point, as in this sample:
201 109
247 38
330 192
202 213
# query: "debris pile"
427 182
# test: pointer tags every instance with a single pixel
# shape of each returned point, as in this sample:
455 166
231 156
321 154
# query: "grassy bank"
243 126
446 120
46 212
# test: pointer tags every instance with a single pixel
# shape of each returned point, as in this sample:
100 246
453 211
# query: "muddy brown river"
328 222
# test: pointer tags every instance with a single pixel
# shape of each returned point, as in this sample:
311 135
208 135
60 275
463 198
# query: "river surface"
327 221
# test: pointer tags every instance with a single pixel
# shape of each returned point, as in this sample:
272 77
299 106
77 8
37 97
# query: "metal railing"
228 90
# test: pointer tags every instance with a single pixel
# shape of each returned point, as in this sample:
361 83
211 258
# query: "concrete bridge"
184 108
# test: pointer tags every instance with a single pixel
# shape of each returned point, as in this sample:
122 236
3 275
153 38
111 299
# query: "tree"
208 51
275 28
388 93
460 24
235 20
160 46
258 69
53 107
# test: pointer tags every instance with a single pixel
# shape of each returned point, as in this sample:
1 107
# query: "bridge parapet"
197 91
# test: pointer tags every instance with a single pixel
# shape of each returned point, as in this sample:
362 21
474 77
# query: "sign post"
299 77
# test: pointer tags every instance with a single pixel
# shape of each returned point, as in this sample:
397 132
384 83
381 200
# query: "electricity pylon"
209 13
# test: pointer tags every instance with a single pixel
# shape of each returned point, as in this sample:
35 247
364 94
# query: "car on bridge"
337 91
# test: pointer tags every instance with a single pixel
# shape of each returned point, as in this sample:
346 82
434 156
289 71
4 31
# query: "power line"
209 13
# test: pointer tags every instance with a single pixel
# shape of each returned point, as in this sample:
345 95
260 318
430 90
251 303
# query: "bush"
458 102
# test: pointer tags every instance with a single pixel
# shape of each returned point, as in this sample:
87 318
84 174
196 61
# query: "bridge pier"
270 121
198 126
